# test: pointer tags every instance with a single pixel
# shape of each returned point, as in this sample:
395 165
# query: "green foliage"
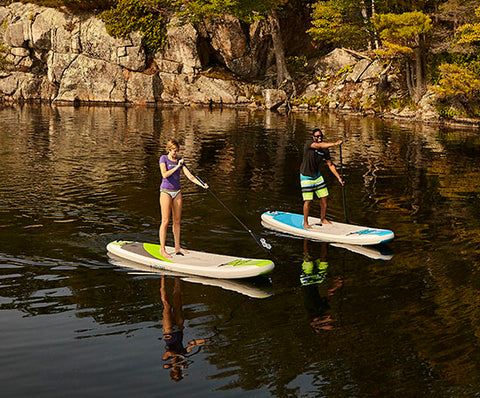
462 59
296 62
4 51
345 69
338 23
312 102
400 33
457 81
218 72
149 17
457 75
446 111
469 33
245 10
384 102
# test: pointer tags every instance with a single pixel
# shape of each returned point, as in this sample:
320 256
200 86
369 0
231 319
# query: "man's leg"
306 212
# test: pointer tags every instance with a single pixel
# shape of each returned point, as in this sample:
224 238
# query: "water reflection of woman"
172 322
314 273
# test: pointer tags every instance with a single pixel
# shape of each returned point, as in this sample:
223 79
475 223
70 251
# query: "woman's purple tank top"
171 183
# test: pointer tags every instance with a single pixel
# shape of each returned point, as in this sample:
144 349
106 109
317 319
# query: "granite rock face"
59 57
55 56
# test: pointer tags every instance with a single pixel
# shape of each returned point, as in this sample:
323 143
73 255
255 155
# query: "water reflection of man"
172 322
314 273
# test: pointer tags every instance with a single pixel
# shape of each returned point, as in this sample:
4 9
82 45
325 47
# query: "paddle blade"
265 244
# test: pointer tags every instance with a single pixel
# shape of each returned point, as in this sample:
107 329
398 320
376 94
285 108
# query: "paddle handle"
343 187
204 185
262 242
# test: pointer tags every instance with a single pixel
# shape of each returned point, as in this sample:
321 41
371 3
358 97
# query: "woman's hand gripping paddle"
262 242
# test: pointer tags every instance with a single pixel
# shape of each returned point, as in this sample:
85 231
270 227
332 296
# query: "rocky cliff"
60 57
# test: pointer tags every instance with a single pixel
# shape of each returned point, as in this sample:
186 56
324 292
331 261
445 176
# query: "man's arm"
325 145
334 171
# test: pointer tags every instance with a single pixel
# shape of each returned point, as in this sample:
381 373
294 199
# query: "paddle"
262 242
343 186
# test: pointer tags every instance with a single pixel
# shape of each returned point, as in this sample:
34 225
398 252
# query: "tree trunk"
282 71
420 71
364 13
377 42
410 80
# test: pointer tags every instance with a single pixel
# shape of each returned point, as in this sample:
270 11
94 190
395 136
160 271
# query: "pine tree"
404 41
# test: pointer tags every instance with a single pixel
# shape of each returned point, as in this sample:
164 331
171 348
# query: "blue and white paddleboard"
192 263
292 223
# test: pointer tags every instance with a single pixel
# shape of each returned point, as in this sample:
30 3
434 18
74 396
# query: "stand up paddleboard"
244 287
292 223
193 263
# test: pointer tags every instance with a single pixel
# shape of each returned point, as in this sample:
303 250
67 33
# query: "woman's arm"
167 173
194 179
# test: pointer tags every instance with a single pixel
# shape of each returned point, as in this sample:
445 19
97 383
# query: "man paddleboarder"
311 180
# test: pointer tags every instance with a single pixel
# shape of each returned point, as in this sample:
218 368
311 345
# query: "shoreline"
460 122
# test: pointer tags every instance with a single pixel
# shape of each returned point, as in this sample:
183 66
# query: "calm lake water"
403 320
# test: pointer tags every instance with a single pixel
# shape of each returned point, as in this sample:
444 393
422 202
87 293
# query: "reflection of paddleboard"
291 223
193 262
377 252
242 287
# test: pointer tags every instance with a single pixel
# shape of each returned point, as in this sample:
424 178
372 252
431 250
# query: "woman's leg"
166 210
177 218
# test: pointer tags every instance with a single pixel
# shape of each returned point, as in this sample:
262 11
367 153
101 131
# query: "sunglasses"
317 136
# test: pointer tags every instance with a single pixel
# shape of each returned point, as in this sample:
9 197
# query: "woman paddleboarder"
171 195
311 180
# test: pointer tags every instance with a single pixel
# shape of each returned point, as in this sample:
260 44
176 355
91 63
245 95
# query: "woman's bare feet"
165 254
181 251
325 221
306 226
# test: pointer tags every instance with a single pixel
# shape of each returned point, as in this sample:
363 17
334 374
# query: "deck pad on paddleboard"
292 223
193 263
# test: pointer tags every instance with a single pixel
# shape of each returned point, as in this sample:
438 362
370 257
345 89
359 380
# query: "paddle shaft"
343 186
262 242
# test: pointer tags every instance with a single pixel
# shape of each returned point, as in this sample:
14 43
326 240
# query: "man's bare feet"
306 226
325 221
181 251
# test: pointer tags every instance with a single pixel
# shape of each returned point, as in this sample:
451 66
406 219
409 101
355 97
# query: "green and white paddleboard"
242 286
192 263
